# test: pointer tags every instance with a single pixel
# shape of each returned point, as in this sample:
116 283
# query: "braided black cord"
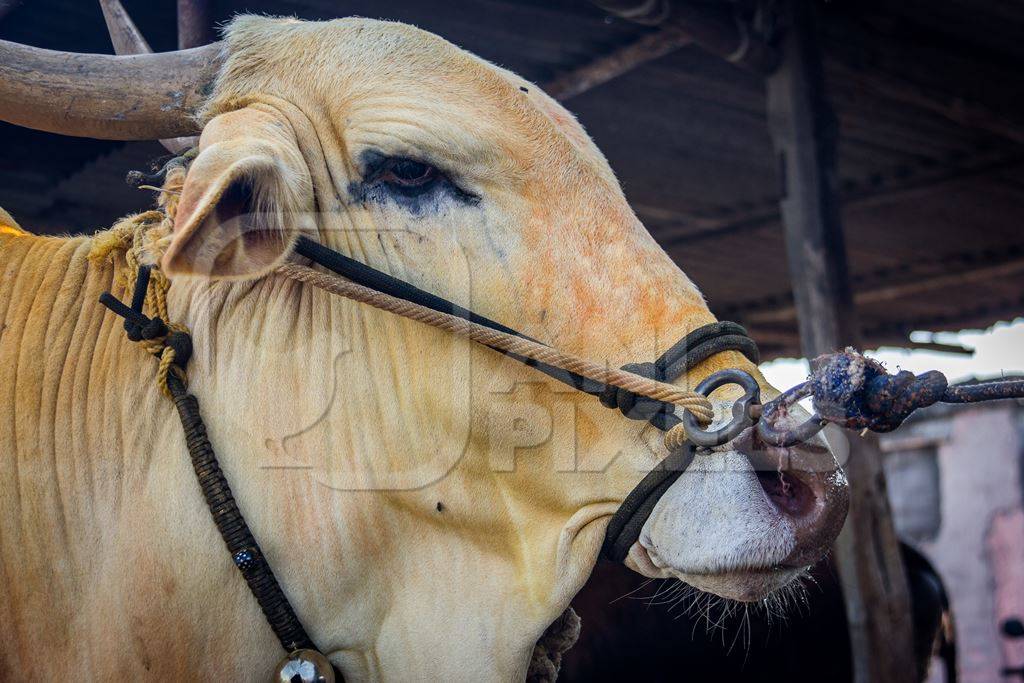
626 524
628 521
238 538
705 342
245 551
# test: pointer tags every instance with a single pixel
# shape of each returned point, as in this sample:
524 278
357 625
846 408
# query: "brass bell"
305 666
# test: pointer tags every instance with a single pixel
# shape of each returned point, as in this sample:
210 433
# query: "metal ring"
742 414
789 437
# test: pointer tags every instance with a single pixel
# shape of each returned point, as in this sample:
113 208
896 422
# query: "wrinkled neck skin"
429 506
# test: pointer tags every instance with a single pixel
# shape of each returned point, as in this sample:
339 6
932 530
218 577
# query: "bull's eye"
416 185
409 173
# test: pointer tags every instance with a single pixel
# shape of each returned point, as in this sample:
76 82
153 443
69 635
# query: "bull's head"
391 145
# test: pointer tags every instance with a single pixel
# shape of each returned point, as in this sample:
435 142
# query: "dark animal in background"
630 638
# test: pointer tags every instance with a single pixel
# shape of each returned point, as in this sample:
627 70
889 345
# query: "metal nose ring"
745 411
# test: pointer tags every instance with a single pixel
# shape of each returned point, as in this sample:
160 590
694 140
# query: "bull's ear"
246 199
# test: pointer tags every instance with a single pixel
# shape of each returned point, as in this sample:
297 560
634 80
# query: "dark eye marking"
416 184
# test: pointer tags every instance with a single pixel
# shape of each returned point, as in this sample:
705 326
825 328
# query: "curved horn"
134 97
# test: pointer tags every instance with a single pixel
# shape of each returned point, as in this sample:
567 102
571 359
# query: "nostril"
791 496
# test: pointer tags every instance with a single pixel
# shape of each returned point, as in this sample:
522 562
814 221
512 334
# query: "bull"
381 463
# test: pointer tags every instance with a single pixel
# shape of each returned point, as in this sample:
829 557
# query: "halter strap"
693 349
623 389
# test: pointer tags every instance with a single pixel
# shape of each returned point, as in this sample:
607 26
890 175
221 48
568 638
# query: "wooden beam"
804 131
195 23
899 290
658 214
925 70
980 315
938 347
776 338
714 28
911 286
777 345
964 112
726 34
608 67
867 194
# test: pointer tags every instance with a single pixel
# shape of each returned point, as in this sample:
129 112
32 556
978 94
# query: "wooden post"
804 132
195 24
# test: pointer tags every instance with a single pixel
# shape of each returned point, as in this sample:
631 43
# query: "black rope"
241 544
626 524
692 349
628 521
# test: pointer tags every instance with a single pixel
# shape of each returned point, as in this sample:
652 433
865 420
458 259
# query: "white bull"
428 507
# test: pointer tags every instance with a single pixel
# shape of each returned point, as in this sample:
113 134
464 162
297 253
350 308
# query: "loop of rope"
171 343
696 403
676 437
168 355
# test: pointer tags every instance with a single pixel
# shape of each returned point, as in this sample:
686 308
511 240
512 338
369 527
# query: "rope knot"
169 342
181 341
856 392
138 330
633 405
